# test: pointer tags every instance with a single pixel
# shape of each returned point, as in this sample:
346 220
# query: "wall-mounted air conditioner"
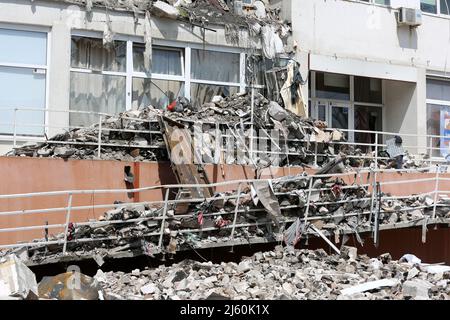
409 17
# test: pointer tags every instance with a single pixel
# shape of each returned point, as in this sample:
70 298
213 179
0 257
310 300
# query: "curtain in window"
95 93
90 54
165 61
215 66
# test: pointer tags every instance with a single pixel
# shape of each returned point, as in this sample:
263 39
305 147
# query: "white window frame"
46 69
166 45
314 100
444 103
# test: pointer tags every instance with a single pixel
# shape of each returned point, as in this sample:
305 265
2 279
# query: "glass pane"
157 93
202 93
89 53
322 112
368 90
445 6
428 6
438 90
215 66
332 86
368 119
339 117
23 47
165 61
384 2
14 82
95 93
438 124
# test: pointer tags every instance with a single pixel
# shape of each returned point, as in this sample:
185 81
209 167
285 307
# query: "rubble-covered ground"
285 274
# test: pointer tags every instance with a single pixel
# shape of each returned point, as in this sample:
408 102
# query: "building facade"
364 71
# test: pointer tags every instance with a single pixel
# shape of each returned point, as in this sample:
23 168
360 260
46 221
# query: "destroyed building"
220 123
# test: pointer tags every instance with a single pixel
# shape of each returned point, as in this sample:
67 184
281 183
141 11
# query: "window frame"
442 103
46 68
314 100
185 78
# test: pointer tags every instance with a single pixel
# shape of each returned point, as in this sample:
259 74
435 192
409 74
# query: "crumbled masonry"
284 274
297 136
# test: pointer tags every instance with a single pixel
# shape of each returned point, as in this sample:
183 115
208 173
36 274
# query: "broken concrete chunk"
416 289
277 112
16 279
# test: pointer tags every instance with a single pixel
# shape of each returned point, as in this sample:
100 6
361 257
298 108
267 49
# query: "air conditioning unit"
409 17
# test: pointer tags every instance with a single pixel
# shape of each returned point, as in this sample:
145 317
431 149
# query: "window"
348 102
214 73
429 6
367 90
167 81
111 81
209 65
97 79
383 2
438 116
23 69
367 119
332 86
445 7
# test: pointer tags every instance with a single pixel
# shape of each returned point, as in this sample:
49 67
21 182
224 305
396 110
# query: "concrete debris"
16 279
122 140
339 210
279 274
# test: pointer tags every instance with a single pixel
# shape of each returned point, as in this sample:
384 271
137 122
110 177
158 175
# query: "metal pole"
163 222
14 128
436 188
376 150
430 151
308 201
236 212
252 125
315 153
66 229
372 200
99 136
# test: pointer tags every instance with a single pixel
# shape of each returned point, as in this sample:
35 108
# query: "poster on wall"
445 132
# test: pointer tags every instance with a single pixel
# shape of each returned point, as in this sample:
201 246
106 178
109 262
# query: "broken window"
89 53
368 90
202 93
23 68
215 66
332 86
97 79
95 93
157 93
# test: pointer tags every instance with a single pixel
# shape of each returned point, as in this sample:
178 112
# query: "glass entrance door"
337 115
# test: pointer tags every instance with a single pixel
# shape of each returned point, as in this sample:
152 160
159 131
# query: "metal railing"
161 207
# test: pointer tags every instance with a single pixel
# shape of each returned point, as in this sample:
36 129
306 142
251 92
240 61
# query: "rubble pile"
123 145
284 274
263 213
231 115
